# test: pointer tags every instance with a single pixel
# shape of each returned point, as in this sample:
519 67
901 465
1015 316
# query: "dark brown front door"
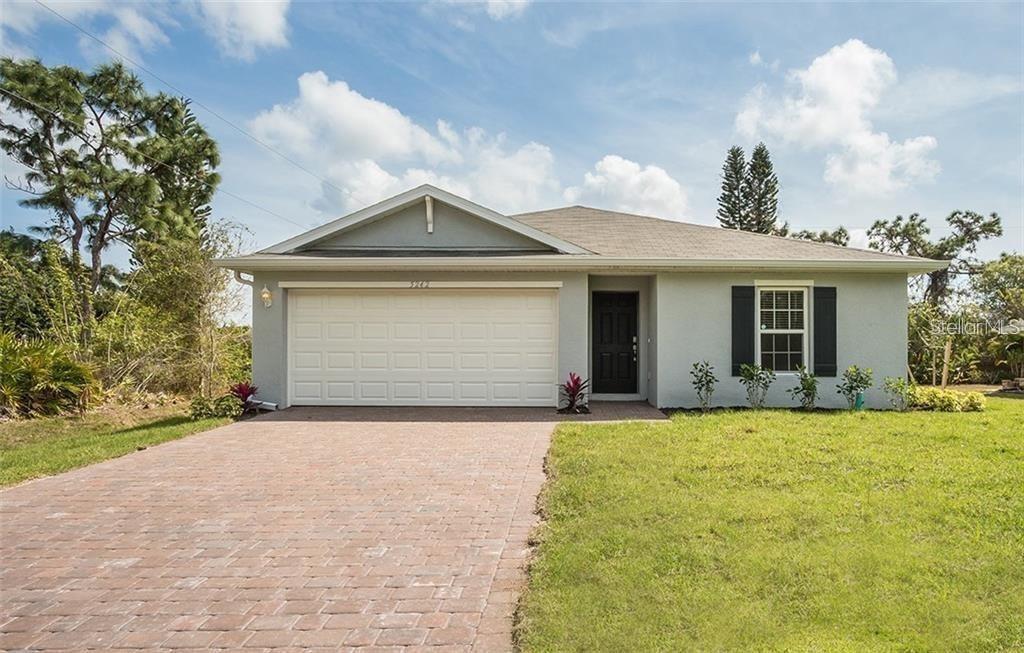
614 341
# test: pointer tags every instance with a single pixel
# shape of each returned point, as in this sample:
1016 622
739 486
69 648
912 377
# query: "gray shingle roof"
610 233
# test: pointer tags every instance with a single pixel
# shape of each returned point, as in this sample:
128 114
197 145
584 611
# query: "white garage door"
428 346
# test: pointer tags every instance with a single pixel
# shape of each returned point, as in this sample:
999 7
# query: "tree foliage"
732 206
109 162
910 237
761 192
750 192
839 236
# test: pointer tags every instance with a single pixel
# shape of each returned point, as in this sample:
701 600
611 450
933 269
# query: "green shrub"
704 381
806 390
855 381
947 401
900 392
756 380
224 406
40 378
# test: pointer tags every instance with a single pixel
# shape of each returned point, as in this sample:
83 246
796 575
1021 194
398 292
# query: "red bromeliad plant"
244 391
575 392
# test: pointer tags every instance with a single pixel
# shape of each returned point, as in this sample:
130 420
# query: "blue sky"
869 110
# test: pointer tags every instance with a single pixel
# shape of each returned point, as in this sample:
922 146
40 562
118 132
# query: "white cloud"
336 121
928 92
502 9
578 28
242 27
830 108
625 185
460 12
758 61
369 150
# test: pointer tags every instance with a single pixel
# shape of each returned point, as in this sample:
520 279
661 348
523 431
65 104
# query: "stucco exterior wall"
694 323
686 318
269 325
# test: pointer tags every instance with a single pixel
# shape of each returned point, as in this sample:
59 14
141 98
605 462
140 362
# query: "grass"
46 446
778 530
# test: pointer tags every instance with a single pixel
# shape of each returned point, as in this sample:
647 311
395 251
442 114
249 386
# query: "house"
427 298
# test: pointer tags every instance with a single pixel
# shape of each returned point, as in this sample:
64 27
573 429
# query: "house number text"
419 284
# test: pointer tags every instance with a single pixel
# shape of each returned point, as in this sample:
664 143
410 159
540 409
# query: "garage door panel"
422 347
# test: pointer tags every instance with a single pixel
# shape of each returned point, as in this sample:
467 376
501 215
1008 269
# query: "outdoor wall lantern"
266 296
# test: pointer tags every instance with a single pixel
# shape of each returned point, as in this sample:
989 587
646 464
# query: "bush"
900 392
574 390
704 381
947 401
756 380
227 405
40 378
806 390
855 381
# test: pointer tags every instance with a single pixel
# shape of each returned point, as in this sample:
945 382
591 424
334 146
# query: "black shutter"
742 327
824 331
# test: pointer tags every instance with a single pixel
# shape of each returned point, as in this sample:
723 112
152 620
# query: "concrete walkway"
333 528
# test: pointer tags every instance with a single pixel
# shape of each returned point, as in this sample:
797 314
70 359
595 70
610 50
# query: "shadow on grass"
167 422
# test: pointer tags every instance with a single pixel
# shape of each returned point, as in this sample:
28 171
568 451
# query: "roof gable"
386 226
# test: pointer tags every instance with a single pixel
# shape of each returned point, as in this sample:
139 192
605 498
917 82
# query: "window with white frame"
782 316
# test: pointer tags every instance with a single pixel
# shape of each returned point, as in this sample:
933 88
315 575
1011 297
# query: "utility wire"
88 140
183 94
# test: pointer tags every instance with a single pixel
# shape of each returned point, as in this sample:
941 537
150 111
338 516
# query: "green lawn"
776 530
41 447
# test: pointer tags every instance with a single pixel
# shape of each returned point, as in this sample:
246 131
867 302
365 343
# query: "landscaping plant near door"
806 390
900 392
574 390
704 381
855 381
756 380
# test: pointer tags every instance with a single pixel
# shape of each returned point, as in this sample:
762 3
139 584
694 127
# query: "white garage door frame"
294 289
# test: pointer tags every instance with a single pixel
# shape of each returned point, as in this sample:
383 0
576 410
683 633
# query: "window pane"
766 300
796 360
767 342
767 320
796 299
796 320
796 342
766 360
781 363
781 300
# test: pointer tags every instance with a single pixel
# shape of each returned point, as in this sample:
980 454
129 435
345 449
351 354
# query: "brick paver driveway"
309 528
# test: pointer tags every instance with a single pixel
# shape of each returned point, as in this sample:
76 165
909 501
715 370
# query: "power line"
183 94
88 140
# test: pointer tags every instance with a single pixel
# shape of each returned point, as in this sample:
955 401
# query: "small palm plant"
574 390
756 380
704 381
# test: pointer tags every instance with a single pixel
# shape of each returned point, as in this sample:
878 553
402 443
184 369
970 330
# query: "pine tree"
732 209
761 192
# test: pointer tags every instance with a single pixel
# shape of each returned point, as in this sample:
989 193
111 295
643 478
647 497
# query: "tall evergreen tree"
109 162
761 192
732 208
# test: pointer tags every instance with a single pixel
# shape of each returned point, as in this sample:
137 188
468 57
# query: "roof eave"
261 262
